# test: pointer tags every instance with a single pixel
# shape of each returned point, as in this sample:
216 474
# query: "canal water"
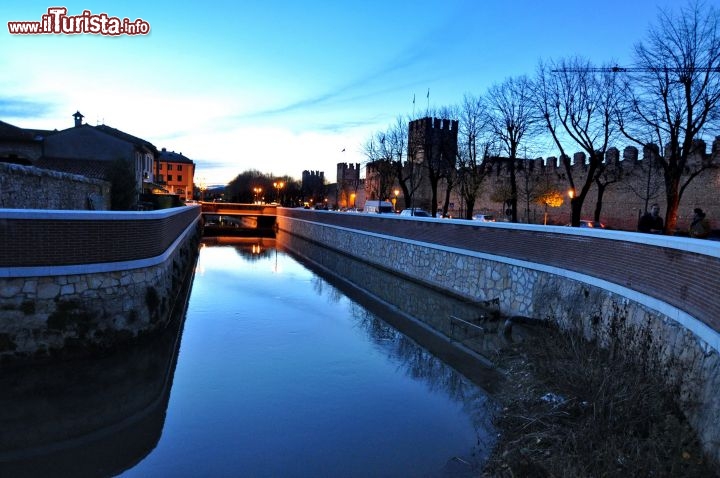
277 370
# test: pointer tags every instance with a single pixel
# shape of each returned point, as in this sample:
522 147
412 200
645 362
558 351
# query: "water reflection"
249 248
90 417
420 364
404 301
270 381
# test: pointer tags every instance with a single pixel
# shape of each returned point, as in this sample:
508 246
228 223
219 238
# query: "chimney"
78 119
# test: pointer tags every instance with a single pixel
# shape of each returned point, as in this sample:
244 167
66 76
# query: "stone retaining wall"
603 297
79 306
27 187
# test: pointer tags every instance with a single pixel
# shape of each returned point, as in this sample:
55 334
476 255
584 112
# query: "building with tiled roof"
18 145
175 173
65 150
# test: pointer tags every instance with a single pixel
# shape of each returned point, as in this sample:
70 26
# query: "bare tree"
532 186
433 142
511 118
473 149
577 103
611 174
406 172
674 94
645 180
380 173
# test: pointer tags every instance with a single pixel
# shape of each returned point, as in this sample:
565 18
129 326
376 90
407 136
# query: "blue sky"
285 86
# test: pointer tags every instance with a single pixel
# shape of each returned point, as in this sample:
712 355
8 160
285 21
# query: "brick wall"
54 238
74 282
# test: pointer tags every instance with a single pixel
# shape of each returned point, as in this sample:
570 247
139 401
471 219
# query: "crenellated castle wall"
630 187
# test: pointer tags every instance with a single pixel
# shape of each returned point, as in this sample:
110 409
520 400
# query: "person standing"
651 222
700 226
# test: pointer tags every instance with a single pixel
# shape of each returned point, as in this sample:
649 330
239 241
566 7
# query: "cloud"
389 76
18 108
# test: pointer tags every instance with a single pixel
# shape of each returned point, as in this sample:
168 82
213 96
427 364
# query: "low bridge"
223 219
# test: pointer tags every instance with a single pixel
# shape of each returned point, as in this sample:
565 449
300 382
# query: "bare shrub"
573 411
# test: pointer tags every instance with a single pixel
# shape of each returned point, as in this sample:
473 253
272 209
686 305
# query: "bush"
572 411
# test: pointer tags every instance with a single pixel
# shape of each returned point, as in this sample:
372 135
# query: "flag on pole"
428 93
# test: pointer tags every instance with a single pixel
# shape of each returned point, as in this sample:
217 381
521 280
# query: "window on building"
169 167
179 167
162 165
160 178
180 177
169 177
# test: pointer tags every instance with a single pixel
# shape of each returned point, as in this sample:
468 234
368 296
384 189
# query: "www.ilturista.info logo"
57 21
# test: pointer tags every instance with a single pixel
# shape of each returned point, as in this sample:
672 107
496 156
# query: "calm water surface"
275 373
278 375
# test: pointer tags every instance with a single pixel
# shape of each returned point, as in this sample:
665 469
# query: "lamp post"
571 195
278 186
257 192
202 186
396 192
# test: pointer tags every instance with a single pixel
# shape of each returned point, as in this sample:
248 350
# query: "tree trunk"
598 204
470 206
575 210
513 191
673 204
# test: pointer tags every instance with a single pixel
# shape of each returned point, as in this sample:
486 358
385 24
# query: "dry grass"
570 411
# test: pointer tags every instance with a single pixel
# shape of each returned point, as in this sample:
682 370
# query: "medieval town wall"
623 200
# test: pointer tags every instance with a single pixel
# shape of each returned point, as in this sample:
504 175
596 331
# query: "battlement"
630 156
313 174
348 172
428 123
348 166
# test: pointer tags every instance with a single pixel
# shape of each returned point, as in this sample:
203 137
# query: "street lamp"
202 186
257 192
396 192
278 186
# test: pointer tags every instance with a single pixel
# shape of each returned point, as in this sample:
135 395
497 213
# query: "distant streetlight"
278 185
257 192
352 199
396 192
202 186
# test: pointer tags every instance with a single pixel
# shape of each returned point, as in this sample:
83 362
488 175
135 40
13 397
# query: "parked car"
484 217
383 207
415 211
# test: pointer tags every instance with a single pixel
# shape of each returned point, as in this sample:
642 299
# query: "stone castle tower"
432 141
348 185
